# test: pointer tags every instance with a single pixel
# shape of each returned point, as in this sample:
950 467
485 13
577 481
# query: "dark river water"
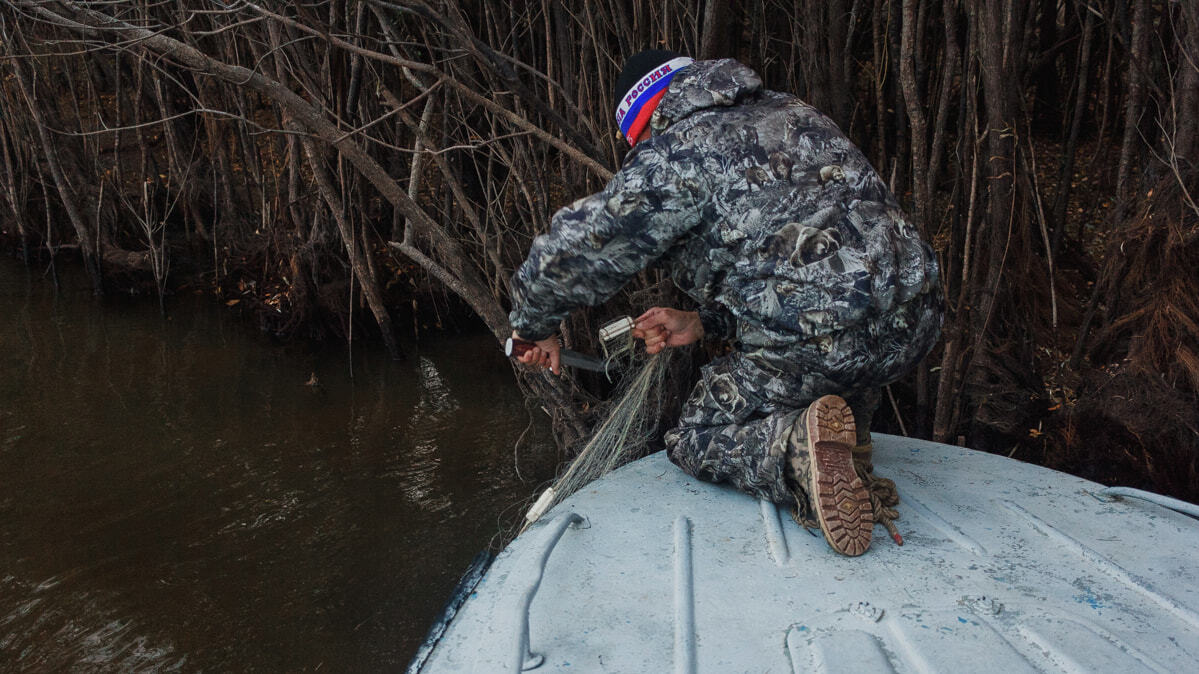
175 497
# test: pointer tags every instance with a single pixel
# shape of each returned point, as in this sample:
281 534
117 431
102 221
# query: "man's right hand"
545 354
661 327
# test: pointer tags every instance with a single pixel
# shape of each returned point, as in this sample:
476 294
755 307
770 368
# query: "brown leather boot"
838 496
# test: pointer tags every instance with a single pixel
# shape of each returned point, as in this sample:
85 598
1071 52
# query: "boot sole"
839 497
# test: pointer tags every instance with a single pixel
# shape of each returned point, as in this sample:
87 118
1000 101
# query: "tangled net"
629 425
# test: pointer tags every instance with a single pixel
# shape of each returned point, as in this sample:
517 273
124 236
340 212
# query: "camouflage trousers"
741 419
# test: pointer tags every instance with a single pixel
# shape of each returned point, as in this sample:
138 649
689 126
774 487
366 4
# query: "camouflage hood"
705 84
768 217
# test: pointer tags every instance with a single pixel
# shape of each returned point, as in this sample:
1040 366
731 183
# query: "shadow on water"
175 496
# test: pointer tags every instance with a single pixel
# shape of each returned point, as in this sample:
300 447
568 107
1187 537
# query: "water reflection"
174 495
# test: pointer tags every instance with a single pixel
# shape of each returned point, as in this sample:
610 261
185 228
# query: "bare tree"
413 147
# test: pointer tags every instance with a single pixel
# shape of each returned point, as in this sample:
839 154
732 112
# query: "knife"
518 347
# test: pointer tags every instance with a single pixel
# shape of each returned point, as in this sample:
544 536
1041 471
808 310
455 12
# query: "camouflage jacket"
770 219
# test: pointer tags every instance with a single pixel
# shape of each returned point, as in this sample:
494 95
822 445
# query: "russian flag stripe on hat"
641 119
648 89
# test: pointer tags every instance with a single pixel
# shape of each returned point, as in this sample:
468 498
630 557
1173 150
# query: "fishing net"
629 424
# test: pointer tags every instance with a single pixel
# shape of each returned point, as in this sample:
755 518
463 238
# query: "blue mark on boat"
1090 600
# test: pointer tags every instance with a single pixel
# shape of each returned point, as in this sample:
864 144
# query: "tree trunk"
66 195
366 280
715 42
1066 174
915 107
1185 150
1137 65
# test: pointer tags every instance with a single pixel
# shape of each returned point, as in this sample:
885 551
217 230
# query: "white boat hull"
1006 567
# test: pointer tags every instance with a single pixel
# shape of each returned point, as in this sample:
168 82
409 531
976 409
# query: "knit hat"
640 86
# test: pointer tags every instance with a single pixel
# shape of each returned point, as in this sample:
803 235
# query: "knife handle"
514 348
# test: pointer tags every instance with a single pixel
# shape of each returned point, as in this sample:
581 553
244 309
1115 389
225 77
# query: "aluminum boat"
1006 567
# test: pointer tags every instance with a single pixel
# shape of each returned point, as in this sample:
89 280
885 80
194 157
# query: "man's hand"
545 354
661 327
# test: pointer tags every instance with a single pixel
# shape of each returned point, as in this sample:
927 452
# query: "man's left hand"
661 327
